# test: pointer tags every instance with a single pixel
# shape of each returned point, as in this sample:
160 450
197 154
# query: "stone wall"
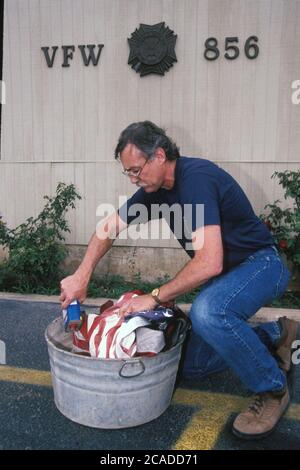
3 254
151 263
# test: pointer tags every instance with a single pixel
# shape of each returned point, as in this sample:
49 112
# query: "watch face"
155 291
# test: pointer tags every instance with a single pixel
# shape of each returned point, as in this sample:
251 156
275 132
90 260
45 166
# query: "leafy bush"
113 286
285 223
35 247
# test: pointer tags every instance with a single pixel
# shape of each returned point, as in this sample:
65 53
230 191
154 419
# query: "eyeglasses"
135 173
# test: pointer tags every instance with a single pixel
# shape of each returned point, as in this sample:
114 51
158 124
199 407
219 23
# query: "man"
232 255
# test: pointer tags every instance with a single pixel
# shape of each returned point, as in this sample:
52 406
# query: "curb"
265 314
46 298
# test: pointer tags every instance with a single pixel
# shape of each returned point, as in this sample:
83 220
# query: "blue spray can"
72 316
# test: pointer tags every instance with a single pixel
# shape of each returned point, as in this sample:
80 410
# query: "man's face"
150 172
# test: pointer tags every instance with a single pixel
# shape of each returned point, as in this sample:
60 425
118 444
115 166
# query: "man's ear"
160 155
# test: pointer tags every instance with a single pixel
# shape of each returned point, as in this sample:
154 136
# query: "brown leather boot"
283 347
262 415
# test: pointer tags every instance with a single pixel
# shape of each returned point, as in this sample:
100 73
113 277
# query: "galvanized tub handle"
126 363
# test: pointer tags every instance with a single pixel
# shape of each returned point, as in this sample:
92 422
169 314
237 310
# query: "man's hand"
73 287
138 304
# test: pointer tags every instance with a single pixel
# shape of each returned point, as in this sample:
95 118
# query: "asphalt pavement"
199 416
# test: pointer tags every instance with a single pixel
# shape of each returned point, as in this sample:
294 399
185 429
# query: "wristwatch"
155 294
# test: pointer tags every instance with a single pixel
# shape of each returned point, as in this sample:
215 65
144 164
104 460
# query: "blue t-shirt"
201 184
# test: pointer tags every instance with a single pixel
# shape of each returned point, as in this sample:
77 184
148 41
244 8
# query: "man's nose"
134 179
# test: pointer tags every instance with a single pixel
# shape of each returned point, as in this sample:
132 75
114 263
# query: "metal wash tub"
109 393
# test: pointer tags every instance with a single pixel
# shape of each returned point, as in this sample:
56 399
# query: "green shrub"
35 247
285 223
113 286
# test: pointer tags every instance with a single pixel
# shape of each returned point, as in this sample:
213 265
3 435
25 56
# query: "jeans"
220 335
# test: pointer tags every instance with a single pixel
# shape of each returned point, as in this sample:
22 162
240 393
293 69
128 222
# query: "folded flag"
111 336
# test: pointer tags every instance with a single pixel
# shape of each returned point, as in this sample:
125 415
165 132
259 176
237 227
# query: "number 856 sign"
212 51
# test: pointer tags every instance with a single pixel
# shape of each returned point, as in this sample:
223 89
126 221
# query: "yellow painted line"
208 420
25 376
213 411
293 412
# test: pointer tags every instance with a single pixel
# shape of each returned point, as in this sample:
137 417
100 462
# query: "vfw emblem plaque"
152 49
